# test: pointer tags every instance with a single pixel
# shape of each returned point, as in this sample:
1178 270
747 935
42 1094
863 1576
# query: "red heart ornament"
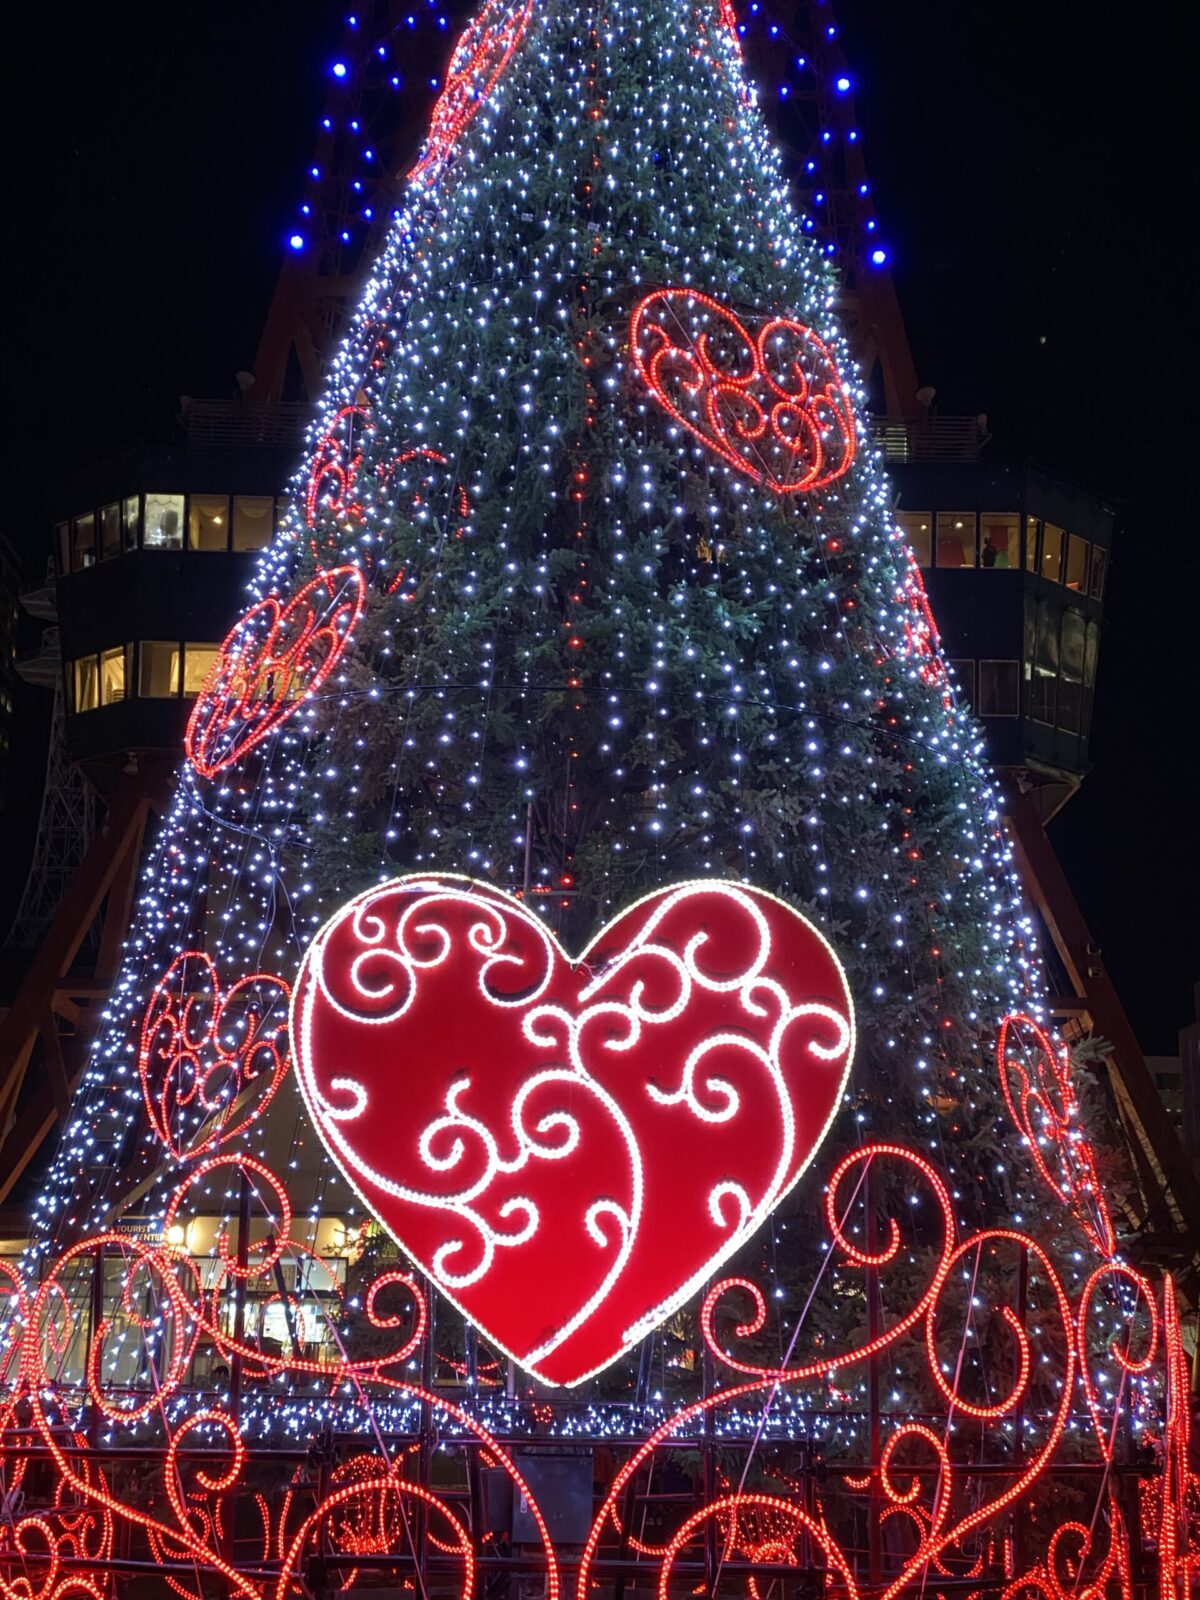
269 664
570 1148
772 403
210 1059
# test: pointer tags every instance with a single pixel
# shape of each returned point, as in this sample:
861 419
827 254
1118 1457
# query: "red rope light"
270 663
773 404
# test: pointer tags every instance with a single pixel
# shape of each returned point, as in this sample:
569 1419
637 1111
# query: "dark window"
964 679
83 542
131 516
1099 567
110 531
1070 684
998 688
1033 533
64 547
1045 663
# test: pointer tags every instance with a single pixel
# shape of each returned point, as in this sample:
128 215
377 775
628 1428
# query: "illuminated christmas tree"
583 882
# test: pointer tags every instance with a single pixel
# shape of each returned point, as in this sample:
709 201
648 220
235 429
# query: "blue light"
340 69
801 61
297 241
878 257
783 91
842 85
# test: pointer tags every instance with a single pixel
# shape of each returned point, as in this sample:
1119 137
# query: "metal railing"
929 438
227 422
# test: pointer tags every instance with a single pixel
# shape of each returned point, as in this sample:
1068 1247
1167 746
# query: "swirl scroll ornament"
771 403
271 662
483 51
589 1138
333 476
210 1060
1035 1075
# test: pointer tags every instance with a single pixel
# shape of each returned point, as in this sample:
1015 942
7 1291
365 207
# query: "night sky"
1025 176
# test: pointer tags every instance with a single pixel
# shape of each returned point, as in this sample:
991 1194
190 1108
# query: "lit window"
112 676
956 538
253 515
1099 567
964 679
917 527
999 539
197 659
1033 531
83 543
1052 552
1077 563
110 531
131 511
998 688
164 522
87 683
208 522
158 669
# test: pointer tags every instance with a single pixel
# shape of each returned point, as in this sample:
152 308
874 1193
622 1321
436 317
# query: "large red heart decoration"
269 664
772 403
570 1148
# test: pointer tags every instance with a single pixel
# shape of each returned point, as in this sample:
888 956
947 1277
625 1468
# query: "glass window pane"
87 683
1045 663
999 539
69 685
1091 651
64 546
1052 552
197 658
164 522
110 531
1077 560
1033 532
998 688
83 543
253 517
1071 658
158 676
112 676
964 679
208 522
956 538
1099 565
917 527
131 508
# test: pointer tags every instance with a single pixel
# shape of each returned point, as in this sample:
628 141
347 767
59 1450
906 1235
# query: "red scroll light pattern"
922 643
364 1513
272 661
210 1061
483 51
772 404
1035 1075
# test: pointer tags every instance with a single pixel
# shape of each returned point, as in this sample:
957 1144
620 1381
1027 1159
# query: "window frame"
1000 661
954 566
